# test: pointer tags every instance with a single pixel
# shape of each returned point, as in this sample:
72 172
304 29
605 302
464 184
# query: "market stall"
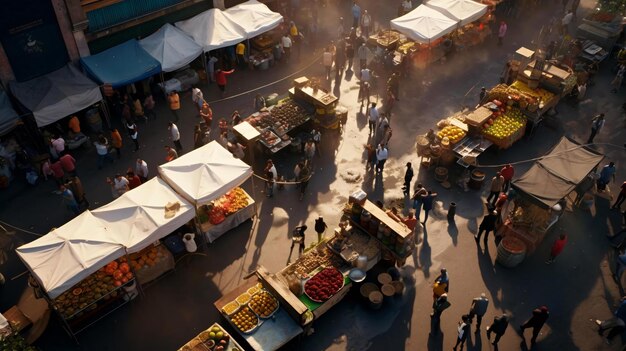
213 29
309 92
462 11
215 338
171 47
541 195
209 177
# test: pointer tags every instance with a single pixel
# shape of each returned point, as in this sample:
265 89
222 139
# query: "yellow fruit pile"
245 320
233 201
453 133
230 308
543 95
506 125
263 304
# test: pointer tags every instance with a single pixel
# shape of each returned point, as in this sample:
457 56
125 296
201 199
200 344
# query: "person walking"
498 327
606 174
462 332
175 136
356 14
327 61
69 200
366 23
427 204
320 228
133 180
316 137
240 51
362 54
76 186
210 62
371 157
57 146
557 248
616 83
495 189
119 185
439 305
298 237
174 102
133 132
418 196
408 176
538 319
620 197
488 224
373 116
170 154
102 149
198 137
116 142
507 172
350 54
596 124
340 57
303 178
565 22
221 80
381 156
478 309
197 98
286 43
207 115
141 170
148 106
502 32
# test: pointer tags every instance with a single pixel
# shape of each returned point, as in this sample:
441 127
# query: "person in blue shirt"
356 15
606 174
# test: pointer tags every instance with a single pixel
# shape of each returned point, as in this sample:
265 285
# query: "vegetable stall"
540 196
210 178
89 267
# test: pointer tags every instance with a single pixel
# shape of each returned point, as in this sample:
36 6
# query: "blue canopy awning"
121 65
8 116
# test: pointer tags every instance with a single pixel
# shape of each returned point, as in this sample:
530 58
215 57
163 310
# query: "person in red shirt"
410 221
220 79
68 163
620 197
57 172
557 248
133 180
507 172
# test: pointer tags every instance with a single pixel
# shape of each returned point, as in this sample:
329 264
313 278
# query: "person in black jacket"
463 330
320 228
540 315
498 327
487 225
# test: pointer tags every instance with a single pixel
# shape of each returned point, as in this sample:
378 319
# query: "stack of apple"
504 124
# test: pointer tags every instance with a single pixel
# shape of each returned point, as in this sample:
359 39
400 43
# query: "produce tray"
312 305
273 312
343 283
249 331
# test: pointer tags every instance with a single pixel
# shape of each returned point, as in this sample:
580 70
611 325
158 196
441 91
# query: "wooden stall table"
200 342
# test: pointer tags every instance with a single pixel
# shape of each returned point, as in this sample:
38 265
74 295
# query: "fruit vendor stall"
210 178
90 266
215 338
310 92
541 195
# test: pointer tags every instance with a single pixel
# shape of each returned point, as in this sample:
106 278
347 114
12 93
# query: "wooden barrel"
376 299
441 174
388 290
398 287
384 278
511 251
476 179
367 288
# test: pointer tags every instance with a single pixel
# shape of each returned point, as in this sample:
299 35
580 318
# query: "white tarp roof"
424 24
172 47
463 11
57 94
205 174
213 29
255 17
137 217
69 254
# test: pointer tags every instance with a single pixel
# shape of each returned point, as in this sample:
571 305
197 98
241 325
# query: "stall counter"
214 231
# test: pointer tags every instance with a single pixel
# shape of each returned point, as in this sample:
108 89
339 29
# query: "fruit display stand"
225 213
215 338
507 127
309 91
151 262
271 333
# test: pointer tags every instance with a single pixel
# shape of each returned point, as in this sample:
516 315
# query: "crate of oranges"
263 304
245 320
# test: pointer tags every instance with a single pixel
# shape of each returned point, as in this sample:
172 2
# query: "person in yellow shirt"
240 50
293 31
74 125
116 141
174 100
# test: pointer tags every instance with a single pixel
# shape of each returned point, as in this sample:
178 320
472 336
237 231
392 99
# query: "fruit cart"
215 338
210 178
308 91
541 195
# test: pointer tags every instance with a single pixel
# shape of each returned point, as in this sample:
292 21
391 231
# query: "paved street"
576 288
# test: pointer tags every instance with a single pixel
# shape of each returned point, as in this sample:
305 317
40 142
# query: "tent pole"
206 68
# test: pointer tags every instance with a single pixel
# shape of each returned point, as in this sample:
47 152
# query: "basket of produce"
245 320
324 285
505 129
263 304
453 133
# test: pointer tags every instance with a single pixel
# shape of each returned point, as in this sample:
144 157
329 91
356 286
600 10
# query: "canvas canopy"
206 173
69 254
171 47
138 218
462 11
255 17
424 24
57 94
121 65
558 173
213 29
8 116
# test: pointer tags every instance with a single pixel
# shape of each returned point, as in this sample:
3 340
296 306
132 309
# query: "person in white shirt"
286 44
381 156
119 185
362 55
141 170
373 118
58 145
407 6
366 22
327 61
197 97
567 19
211 66
175 136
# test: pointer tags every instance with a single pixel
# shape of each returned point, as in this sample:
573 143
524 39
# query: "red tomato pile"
324 284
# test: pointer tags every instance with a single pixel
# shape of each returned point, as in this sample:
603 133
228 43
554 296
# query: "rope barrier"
284 182
20 229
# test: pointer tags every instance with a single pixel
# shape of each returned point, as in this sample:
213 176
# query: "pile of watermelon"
324 284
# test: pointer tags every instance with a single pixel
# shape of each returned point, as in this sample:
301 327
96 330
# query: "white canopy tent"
213 29
206 173
255 17
424 24
137 217
69 254
171 47
462 11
